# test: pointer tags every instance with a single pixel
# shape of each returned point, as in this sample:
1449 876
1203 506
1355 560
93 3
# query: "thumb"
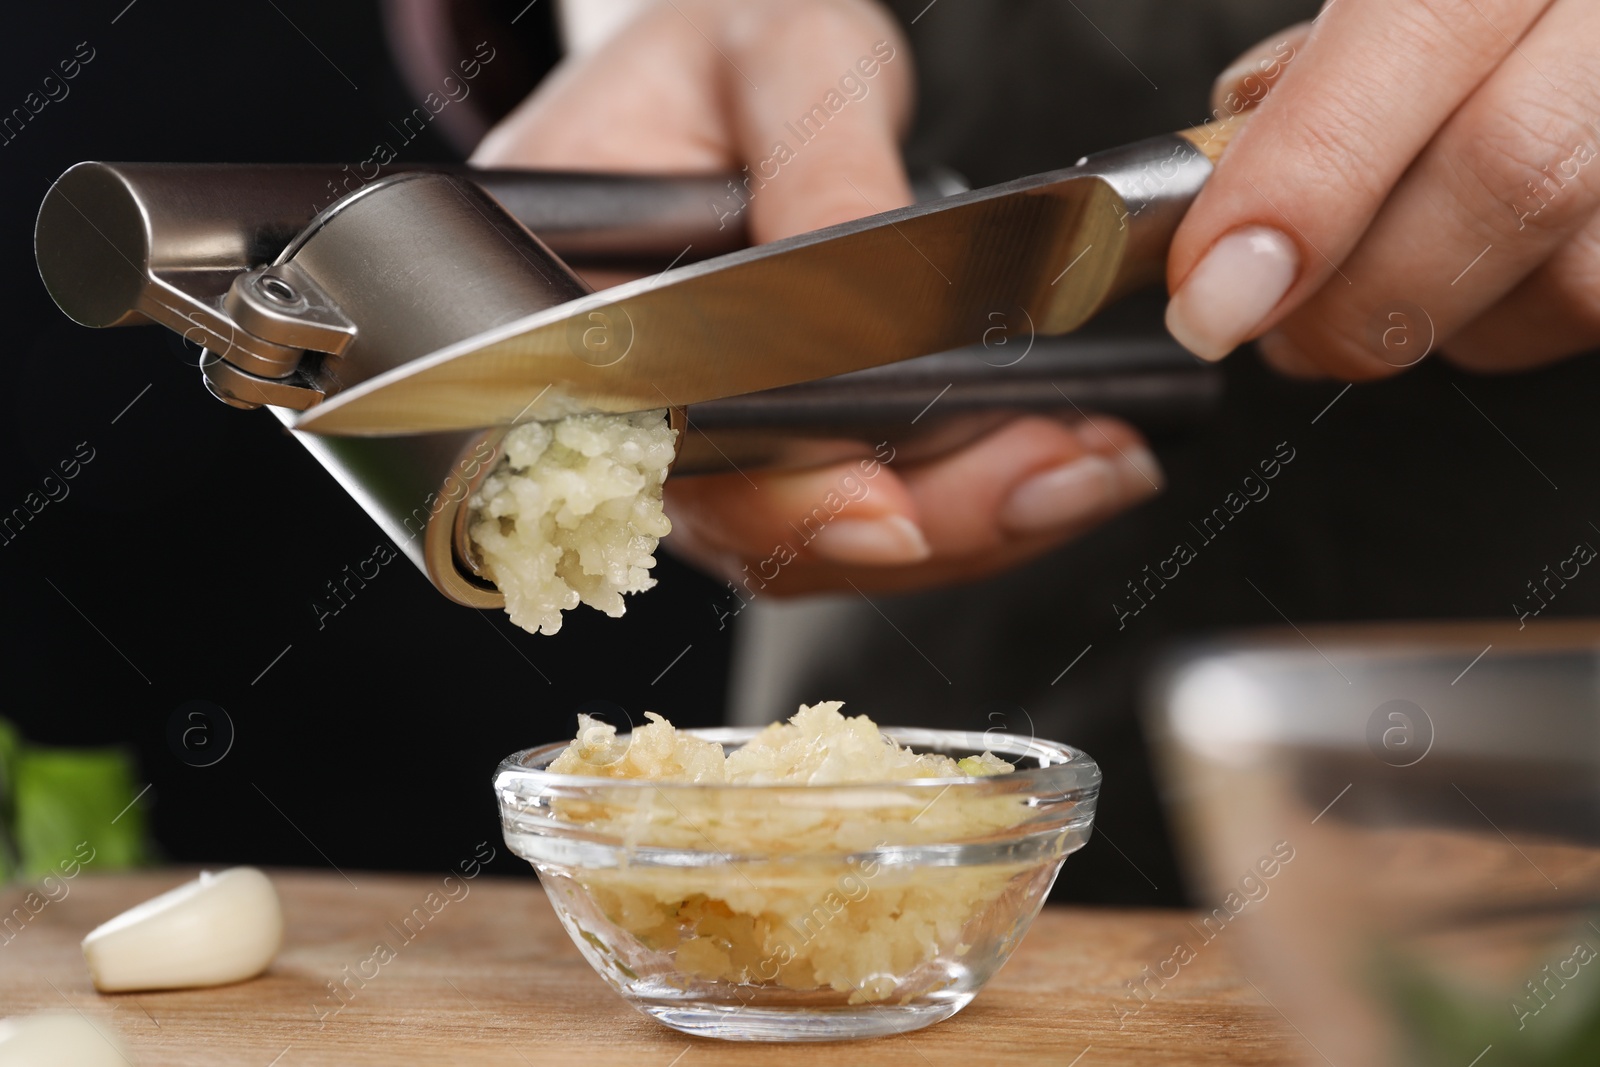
820 92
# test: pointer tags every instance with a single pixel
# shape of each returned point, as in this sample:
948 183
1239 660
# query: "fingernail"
1073 492
894 539
1140 472
1232 289
1222 83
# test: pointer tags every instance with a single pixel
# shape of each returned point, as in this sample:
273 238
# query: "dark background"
193 545
190 550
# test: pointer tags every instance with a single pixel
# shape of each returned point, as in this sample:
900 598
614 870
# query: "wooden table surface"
493 979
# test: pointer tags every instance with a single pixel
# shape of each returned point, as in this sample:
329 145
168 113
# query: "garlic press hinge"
283 306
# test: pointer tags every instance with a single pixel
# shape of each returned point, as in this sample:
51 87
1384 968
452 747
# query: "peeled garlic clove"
219 928
59 1041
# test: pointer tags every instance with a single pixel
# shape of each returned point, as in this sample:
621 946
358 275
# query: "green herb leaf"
65 797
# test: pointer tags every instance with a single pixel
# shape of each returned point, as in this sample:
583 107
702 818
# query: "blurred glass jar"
1438 787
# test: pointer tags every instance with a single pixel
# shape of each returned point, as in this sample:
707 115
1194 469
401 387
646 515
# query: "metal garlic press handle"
107 232
111 238
181 245
273 268
644 221
927 407
184 245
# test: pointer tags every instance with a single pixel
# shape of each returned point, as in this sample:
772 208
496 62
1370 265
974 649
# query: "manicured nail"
1232 289
1140 472
1224 83
890 540
1061 496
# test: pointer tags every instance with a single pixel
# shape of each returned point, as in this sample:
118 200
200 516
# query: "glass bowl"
802 912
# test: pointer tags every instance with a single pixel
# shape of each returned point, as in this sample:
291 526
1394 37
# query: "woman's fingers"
821 135
1032 477
650 99
1509 179
1555 312
857 511
803 102
1248 79
1297 188
1007 497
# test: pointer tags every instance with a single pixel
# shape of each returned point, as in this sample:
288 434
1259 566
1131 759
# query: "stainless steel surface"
238 388
927 406
304 281
1052 248
419 261
285 304
1439 788
393 259
127 243
643 220
414 488
185 245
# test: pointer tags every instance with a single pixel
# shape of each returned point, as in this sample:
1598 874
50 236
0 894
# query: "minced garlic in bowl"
817 879
818 746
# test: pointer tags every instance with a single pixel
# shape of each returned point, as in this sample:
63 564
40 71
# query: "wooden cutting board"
493 979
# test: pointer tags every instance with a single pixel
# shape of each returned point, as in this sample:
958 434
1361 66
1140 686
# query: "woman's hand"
706 85
1424 176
